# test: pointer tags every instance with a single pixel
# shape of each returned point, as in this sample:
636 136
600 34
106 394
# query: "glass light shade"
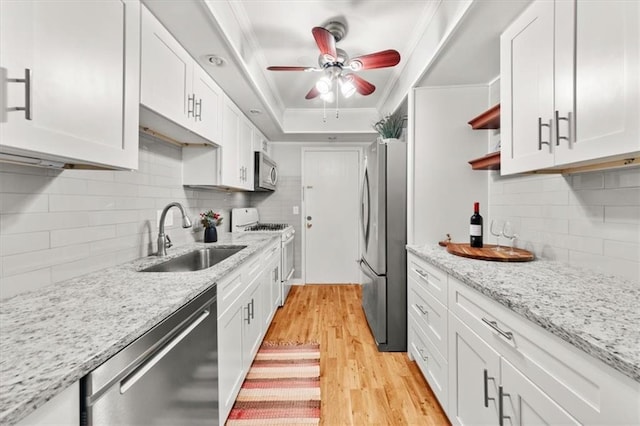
323 85
328 97
346 87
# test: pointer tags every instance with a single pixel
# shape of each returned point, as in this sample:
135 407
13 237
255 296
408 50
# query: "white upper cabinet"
237 152
175 87
80 101
570 85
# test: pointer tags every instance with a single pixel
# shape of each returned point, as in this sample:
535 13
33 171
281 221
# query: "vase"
210 235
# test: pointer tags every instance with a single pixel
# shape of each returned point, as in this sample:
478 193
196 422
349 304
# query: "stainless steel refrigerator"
383 260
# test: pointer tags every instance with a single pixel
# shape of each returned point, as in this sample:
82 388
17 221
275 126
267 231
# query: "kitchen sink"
196 260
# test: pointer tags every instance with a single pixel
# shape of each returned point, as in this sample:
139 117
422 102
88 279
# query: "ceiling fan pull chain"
324 111
337 102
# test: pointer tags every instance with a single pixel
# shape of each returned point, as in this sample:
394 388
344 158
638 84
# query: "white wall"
56 225
443 187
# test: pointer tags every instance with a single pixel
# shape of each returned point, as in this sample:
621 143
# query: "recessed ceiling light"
216 60
255 111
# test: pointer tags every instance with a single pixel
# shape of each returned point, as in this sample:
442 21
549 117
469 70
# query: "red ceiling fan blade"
383 59
313 93
362 86
325 41
285 68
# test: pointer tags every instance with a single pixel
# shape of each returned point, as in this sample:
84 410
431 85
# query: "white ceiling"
441 42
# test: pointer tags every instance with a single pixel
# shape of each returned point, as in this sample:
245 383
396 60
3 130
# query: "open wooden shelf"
490 119
490 161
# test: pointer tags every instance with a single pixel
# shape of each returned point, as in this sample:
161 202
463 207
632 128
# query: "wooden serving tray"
489 252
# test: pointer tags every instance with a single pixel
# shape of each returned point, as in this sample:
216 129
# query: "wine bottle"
475 230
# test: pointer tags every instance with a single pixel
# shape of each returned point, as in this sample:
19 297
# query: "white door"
331 185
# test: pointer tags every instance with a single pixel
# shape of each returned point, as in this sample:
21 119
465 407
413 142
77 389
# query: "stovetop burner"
267 227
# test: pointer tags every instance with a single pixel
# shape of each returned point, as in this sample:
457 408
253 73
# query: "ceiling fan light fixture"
324 85
347 87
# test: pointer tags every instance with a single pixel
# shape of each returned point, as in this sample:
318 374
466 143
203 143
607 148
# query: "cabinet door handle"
493 324
486 388
27 93
248 308
191 99
540 126
568 120
501 416
422 310
198 109
252 309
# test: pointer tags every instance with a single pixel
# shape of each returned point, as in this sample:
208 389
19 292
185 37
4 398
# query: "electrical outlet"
168 220
296 210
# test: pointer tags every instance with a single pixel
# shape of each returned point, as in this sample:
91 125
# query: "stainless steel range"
248 220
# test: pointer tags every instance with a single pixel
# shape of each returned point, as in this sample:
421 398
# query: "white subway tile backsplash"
16 223
621 214
612 231
23 243
590 220
28 281
67 237
622 250
26 262
587 181
70 203
611 197
23 203
627 178
58 224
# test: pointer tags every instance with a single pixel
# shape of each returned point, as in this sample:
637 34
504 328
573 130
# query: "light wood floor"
359 385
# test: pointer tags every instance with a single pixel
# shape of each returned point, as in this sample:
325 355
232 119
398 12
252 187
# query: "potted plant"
390 126
210 220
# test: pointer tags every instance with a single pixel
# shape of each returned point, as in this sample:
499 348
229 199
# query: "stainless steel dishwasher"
168 376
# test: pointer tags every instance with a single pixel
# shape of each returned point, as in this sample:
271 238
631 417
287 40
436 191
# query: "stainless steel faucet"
163 240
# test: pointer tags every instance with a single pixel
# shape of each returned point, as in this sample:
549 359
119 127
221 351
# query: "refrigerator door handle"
365 204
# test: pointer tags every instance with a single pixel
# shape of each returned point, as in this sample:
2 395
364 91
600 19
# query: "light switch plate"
296 210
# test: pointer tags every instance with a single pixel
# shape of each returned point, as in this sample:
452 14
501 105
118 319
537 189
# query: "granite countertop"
596 313
54 336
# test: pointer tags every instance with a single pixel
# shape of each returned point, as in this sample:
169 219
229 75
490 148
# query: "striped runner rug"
281 388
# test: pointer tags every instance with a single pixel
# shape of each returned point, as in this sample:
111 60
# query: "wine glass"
496 231
509 232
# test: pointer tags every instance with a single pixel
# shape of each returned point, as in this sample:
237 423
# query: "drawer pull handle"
422 355
486 388
494 325
422 274
422 310
501 416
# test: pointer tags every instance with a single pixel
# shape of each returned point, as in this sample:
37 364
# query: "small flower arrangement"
209 219
390 126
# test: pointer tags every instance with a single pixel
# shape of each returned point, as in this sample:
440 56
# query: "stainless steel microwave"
266 172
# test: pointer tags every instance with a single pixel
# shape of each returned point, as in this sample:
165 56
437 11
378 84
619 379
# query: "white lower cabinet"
500 368
245 312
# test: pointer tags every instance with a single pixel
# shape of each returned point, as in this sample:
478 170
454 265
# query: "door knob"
309 225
